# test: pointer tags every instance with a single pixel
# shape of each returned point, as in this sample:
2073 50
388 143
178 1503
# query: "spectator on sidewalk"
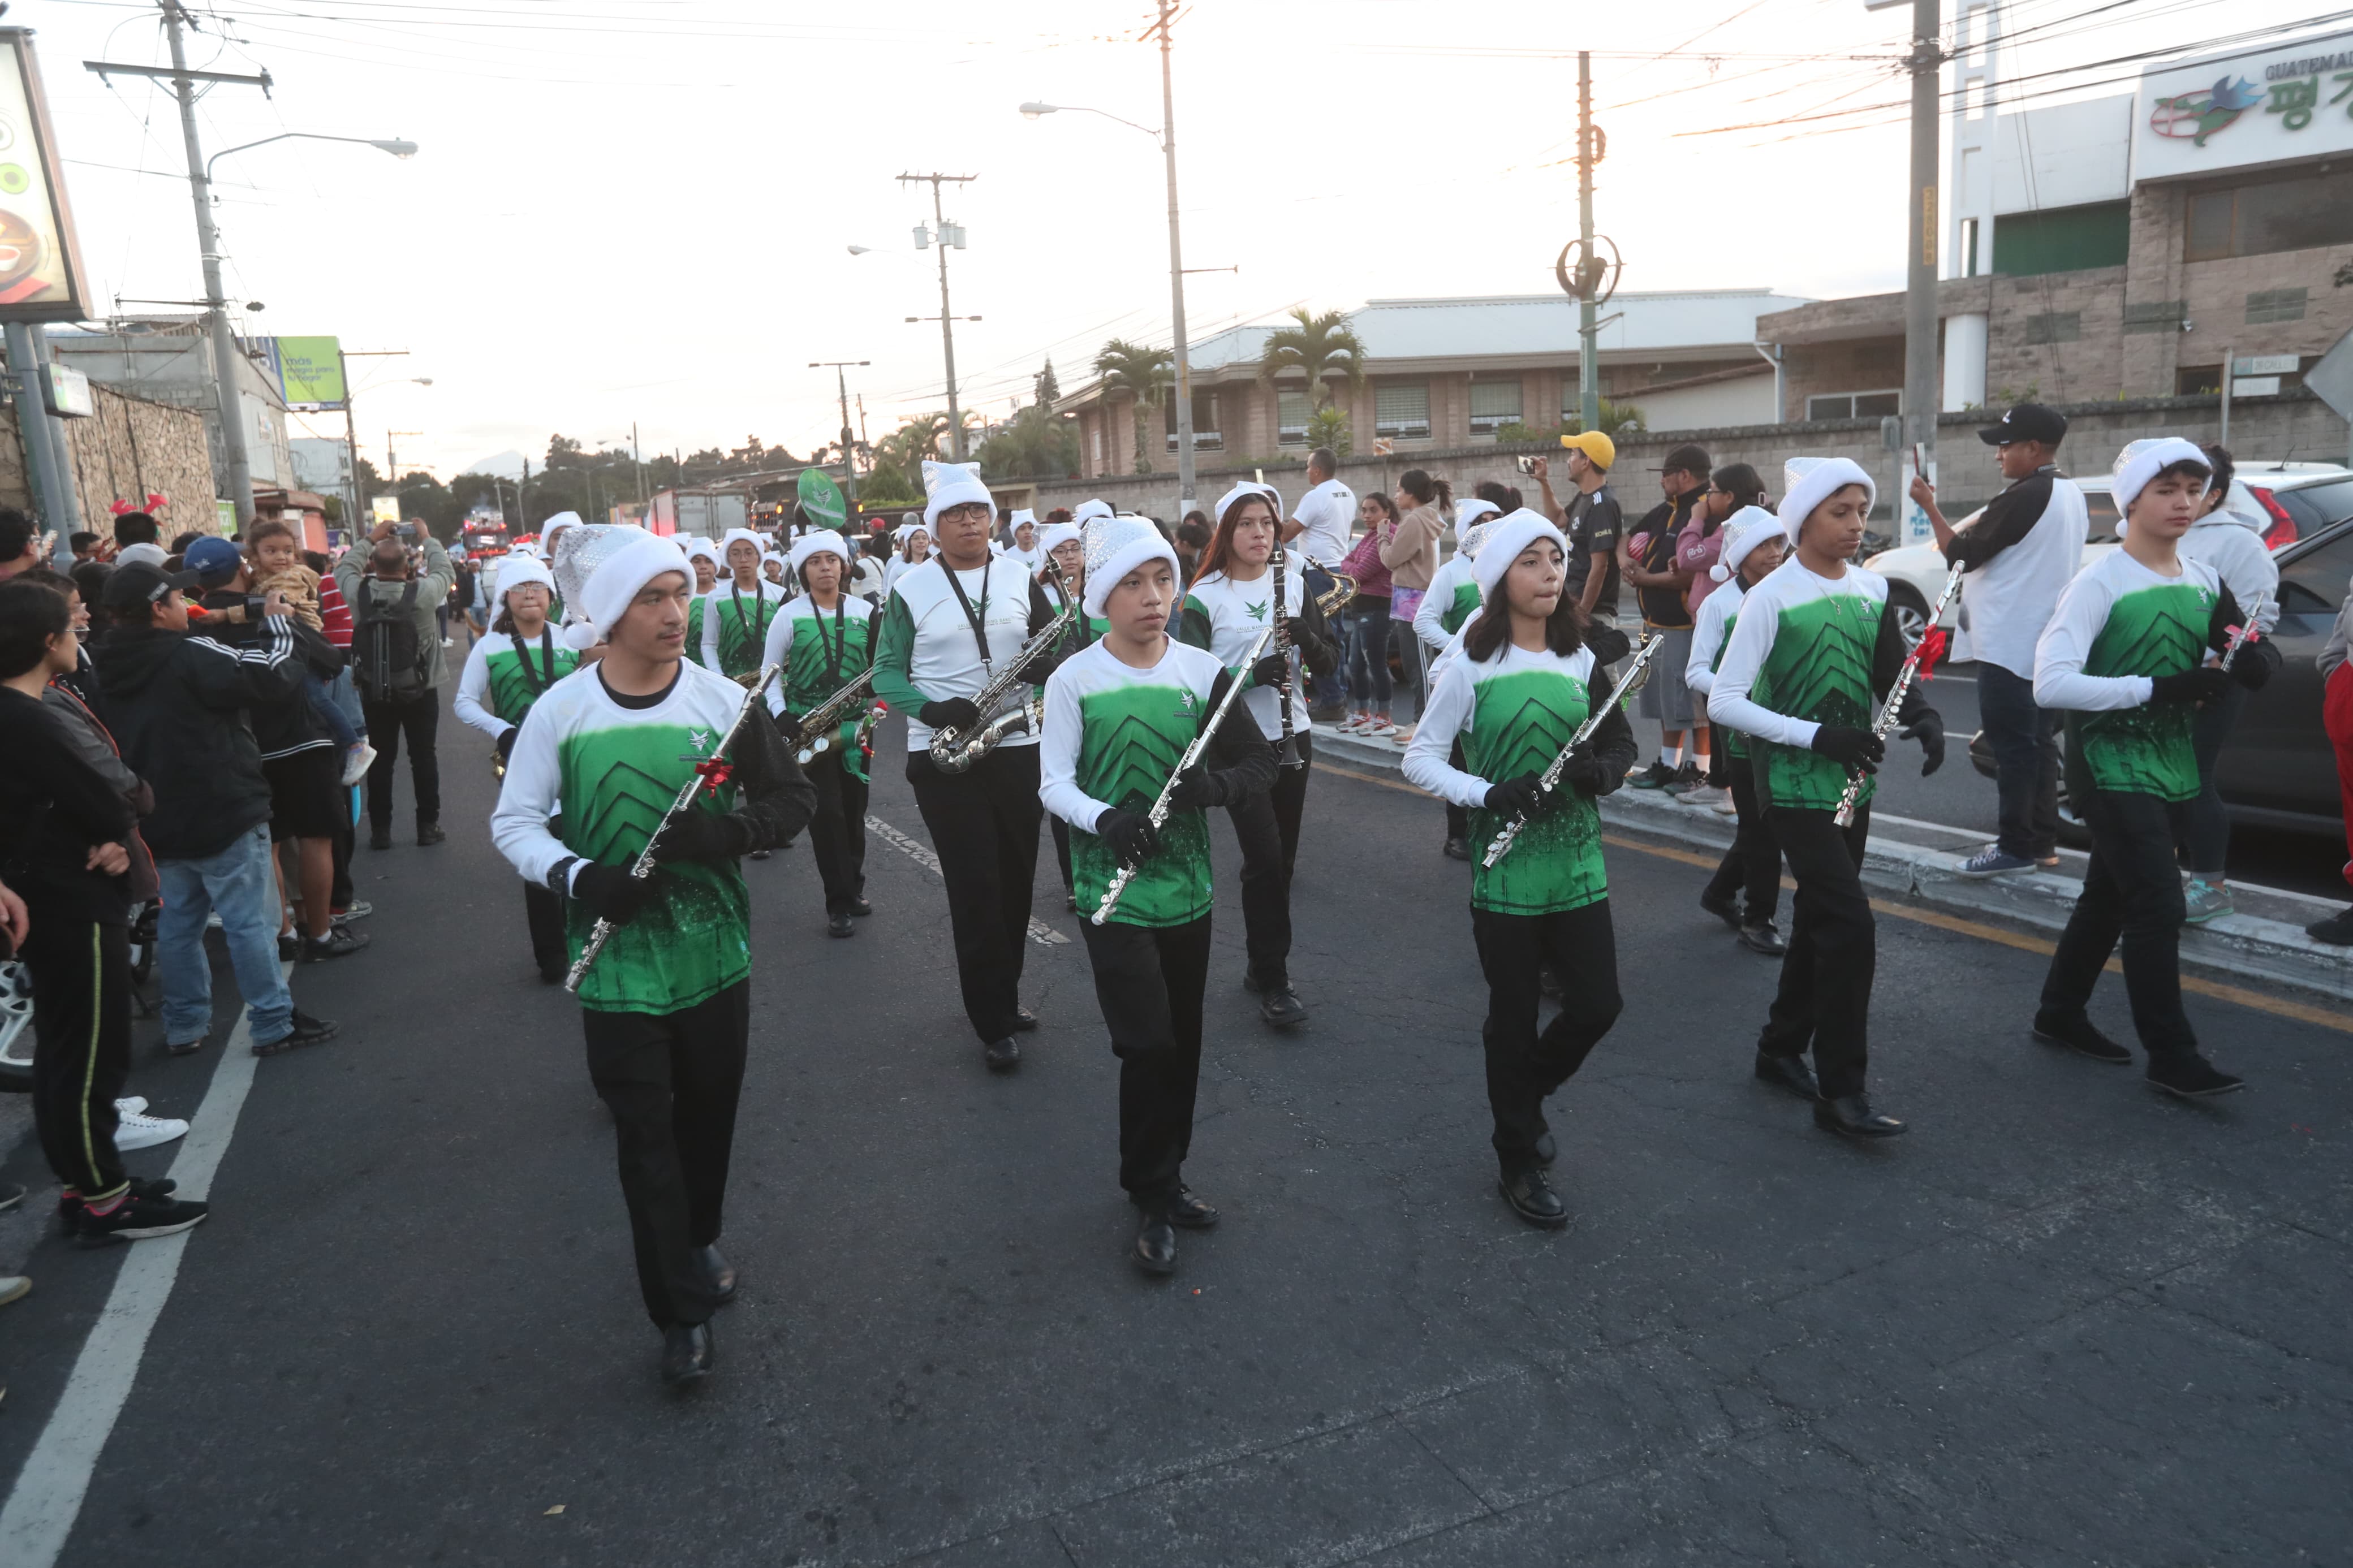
20 544
1697 550
276 562
1318 527
1648 559
1592 523
135 537
2020 556
84 545
177 702
2335 666
1411 556
1364 623
399 677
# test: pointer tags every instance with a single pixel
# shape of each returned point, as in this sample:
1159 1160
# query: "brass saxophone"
1334 599
820 722
953 751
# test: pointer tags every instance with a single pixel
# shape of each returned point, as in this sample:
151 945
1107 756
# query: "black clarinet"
1290 757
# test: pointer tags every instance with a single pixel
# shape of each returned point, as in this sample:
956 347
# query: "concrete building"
1445 374
2126 246
169 359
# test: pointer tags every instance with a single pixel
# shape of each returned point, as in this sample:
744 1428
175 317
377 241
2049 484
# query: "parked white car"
2301 498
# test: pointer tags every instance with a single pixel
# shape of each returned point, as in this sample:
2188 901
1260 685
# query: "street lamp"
398 148
841 383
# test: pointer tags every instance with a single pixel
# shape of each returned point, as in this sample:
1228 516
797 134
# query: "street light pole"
842 384
352 524
1176 274
947 330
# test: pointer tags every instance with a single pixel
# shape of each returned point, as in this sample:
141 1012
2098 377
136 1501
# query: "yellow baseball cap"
1598 448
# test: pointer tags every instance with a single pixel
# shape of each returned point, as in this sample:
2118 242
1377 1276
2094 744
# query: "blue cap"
213 559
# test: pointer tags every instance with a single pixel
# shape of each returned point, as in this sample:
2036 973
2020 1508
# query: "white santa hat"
1506 538
1468 512
1473 540
823 542
1059 533
948 485
1807 482
517 570
617 582
2142 461
1090 509
1022 514
1742 531
696 545
729 540
1116 548
1246 490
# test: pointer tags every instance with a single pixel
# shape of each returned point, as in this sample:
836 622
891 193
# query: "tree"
563 452
1329 427
1144 375
1049 390
1319 347
1036 443
888 485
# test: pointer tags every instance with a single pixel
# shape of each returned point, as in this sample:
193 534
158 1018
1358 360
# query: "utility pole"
391 462
842 384
1922 387
637 460
947 328
1589 333
355 525
1176 271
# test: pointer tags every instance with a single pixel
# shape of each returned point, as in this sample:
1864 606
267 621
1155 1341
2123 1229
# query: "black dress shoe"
687 1353
1851 1114
2193 1078
862 908
2078 1035
1279 1005
839 925
1156 1244
1456 849
1532 1199
430 834
759 854
718 1274
1723 907
1190 1212
1546 1151
552 976
1002 1055
1765 938
1024 1020
1791 1073
379 838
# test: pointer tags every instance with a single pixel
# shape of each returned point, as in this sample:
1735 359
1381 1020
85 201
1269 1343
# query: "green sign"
312 370
821 499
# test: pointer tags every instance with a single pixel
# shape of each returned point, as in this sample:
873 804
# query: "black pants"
2205 833
1061 831
2025 741
81 1044
1267 828
543 913
838 831
1753 865
1148 981
672 1080
984 828
387 723
1522 1066
1824 1001
340 895
2130 890
1458 817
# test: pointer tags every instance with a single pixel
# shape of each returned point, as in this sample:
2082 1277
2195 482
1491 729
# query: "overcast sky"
641 210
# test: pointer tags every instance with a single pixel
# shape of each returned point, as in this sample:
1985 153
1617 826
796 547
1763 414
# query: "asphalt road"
2065 1321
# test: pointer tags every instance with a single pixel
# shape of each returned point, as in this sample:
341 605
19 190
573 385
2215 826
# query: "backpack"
388 659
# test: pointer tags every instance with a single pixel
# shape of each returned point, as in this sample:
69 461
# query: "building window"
1206 435
2063 239
1493 404
2197 380
2266 305
1291 414
1854 405
2155 316
1401 413
2298 212
2058 327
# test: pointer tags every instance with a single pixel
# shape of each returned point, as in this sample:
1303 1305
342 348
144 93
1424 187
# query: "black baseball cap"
1690 459
2027 422
138 585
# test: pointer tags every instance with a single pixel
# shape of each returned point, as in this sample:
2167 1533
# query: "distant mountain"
503 465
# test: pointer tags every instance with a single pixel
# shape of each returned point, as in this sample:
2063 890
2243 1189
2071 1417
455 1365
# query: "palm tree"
1144 375
1319 346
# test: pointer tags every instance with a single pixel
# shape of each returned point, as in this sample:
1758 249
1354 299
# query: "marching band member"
914 547
1024 547
825 640
1452 598
667 1006
772 567
1120 716
1229 605
1813 649
703 556
949 624
506 673
2124 655
1751 545
737 614
1064 544
1521 682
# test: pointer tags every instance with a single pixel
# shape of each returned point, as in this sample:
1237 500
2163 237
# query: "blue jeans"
2025 741
237 882
1366 662
322 701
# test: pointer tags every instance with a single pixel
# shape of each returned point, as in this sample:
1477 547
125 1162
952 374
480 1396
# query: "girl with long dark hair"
1365 628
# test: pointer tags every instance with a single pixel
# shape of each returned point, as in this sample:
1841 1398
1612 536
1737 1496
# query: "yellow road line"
2238 995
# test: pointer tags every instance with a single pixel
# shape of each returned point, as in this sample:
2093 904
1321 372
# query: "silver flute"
1635 673
2241 635
1885 723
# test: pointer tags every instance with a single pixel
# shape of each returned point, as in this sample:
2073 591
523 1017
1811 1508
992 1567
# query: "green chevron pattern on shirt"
810 676
1458 610
2147 749
1734 743
743 630
694 629
512 688
1820 670
1519 722
1134 735
691 942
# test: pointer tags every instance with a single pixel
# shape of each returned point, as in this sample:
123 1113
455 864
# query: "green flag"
822 498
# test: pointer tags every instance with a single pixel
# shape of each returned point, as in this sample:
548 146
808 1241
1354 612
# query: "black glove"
2202 684
1607 644
712 835
612 892
1130 834
1927 727
1271 670
789 725
1589 776
507 740
1516 797
1857 749
2250 668
953 713
1195 789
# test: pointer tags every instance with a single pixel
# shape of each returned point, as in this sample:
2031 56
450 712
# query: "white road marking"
1040 932
49 1489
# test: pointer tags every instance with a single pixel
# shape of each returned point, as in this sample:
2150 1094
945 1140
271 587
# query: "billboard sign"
2289 100
40 260
307 372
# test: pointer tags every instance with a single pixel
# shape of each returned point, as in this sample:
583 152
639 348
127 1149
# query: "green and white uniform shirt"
735 623
1114 736
694 629
1453 595
505 674
2119 625
616 769
1225 617
822 651
1805 651
1718 614
927 650
1513 714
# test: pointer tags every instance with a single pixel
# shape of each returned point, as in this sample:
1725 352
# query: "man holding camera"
393 588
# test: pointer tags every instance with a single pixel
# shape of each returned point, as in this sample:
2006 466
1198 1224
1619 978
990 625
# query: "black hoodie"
178 704
280 729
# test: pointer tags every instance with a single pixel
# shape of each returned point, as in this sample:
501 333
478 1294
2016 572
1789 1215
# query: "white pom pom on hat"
1742 531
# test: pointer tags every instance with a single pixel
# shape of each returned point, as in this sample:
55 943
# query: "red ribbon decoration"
715 772
1931 649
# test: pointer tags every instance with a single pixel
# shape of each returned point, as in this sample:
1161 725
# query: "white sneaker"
1726 807
13 1288
1381 729
131 1105
356 762
1705 794
138 1131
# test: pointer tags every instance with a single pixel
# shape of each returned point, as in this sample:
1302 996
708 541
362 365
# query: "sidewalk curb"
2234 947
